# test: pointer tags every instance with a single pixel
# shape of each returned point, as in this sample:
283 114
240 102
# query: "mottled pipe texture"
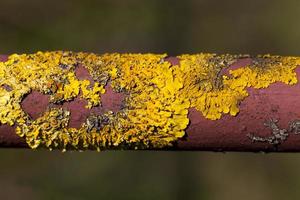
278 102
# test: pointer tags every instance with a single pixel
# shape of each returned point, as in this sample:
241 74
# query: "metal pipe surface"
247 131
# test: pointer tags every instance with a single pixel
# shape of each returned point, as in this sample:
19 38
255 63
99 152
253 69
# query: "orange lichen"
154 114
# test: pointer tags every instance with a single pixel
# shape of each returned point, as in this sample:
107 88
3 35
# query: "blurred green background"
174 27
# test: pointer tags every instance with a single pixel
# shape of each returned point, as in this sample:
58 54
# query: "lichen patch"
158 92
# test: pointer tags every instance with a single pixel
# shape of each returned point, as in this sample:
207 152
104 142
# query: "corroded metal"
192 102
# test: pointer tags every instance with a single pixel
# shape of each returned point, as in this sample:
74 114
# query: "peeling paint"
158 95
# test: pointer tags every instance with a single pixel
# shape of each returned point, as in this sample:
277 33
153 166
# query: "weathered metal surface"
278 102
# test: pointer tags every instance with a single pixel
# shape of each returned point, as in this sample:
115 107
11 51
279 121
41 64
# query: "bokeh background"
157 26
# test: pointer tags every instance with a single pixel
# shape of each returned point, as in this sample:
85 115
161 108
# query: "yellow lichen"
213 100
92 95
158 95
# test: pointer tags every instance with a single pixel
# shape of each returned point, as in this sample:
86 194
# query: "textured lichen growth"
158 95
213 99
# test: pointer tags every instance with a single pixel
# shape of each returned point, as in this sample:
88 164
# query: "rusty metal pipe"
278 102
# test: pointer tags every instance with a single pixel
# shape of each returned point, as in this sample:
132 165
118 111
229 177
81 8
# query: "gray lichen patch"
278 135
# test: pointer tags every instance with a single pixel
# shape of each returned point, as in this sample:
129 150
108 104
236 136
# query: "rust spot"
78 112
173 60
238 64
8 137
112 100
297 70
3 58
83 74
35 103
